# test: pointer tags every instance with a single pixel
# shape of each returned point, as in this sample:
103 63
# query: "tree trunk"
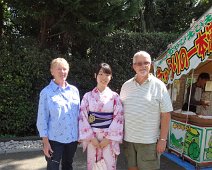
142 21
148 15
43 32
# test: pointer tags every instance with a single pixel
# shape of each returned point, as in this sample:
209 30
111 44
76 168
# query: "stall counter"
191 142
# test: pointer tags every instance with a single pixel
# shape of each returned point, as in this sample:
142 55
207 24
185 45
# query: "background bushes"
25 71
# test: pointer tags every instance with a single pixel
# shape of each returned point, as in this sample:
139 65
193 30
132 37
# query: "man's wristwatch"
163 139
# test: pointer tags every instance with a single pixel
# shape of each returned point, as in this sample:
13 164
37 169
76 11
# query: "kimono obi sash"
100 119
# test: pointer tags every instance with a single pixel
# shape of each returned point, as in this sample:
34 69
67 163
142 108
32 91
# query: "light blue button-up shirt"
58 113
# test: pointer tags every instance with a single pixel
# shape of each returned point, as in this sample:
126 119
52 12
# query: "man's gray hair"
141 54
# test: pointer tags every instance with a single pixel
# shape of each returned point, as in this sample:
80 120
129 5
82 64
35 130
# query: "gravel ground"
18 146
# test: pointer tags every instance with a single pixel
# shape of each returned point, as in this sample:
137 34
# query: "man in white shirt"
147 108
194 94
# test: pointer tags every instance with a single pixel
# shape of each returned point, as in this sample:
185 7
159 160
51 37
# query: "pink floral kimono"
101 116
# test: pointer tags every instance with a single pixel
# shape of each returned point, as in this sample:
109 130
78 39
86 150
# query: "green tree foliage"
166 15
1 17
176 15
69 24
4 18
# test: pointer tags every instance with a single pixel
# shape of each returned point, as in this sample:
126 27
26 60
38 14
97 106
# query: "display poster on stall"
208 146
192 48
186 139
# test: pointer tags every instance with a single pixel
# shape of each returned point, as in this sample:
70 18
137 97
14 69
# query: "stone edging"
20 138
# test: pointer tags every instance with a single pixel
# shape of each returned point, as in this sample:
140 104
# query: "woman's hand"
47 147
95 142
104 143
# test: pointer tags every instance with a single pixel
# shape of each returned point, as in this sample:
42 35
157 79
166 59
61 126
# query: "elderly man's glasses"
146 63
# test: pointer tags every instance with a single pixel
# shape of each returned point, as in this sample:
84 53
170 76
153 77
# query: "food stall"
190 134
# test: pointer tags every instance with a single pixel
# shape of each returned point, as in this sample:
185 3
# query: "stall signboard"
190 141
191 49
208 146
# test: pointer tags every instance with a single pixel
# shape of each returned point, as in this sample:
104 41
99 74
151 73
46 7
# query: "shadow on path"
34 160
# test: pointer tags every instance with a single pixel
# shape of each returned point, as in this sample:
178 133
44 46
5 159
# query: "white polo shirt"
142 107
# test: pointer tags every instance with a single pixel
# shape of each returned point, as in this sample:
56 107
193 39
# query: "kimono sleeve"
85 130
115 131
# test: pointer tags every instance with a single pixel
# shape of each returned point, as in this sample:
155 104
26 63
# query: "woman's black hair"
105 68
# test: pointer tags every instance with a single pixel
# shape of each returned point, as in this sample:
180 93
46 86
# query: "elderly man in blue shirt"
57 119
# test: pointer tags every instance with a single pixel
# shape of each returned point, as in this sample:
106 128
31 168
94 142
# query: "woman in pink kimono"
101 121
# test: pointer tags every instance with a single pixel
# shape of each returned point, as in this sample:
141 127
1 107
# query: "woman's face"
60 73
103 78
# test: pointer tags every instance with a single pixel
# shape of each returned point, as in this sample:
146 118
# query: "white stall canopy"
192 49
